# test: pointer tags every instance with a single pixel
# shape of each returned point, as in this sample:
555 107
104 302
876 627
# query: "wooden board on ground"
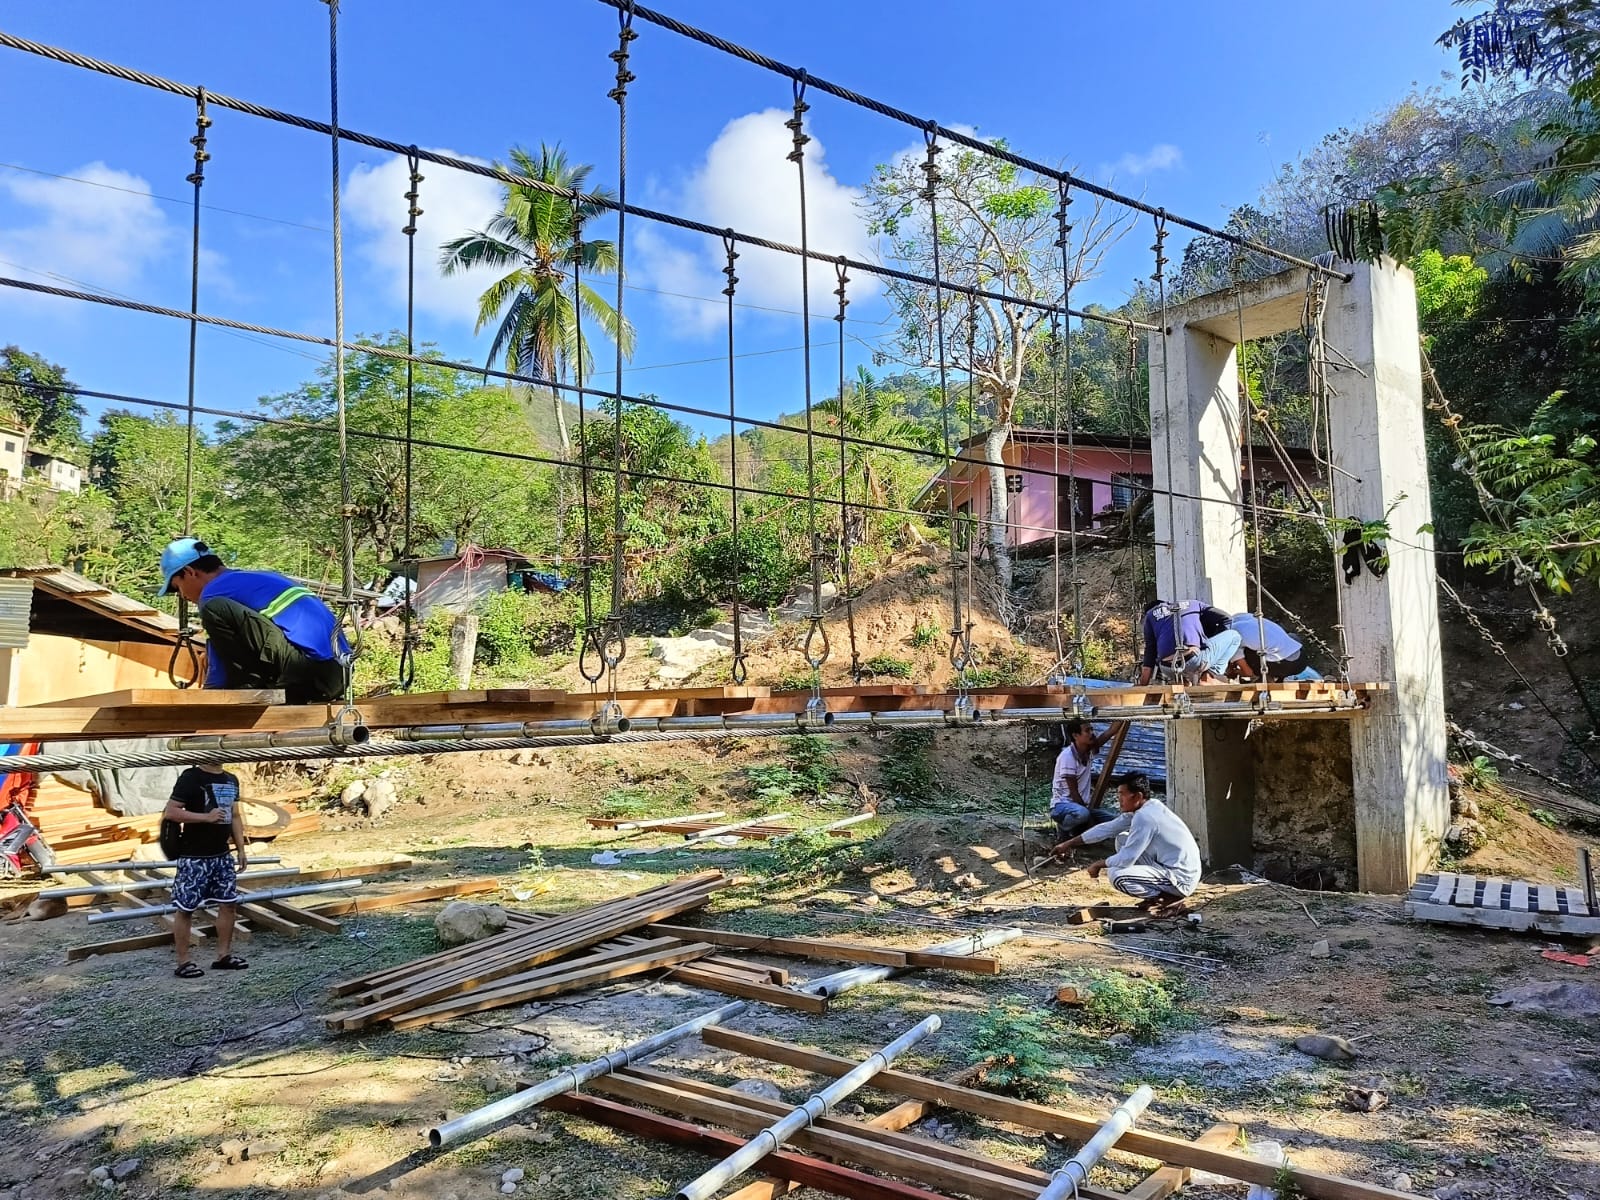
1519 907
355 905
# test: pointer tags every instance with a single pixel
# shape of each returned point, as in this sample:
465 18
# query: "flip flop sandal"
189 970
231 963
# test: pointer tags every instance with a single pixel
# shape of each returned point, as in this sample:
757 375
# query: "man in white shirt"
1072 783
1268 648
1157 861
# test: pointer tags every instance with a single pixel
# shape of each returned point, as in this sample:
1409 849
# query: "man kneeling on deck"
263 630
1157 860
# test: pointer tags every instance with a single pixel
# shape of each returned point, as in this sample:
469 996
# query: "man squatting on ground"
1071 786
205 806
263 630
1158 861
1174 638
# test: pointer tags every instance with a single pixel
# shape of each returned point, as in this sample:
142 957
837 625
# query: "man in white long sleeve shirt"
1071 784
1158 861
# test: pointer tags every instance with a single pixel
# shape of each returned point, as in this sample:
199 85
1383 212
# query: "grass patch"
1013 1041
1145 1009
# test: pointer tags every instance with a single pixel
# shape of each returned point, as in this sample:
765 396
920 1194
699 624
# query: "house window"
1125 487
11 447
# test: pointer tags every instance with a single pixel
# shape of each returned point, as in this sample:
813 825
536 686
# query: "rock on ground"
462 921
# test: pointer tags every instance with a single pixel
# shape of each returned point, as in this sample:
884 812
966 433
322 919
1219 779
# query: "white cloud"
452 202
100 236
1161 157
747 182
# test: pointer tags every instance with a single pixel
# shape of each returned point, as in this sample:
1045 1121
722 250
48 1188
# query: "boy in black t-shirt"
205 806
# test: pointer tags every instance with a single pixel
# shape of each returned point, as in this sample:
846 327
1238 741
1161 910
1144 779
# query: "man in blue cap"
263 630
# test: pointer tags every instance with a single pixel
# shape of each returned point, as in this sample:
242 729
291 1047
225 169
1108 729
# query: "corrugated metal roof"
69 585
16 603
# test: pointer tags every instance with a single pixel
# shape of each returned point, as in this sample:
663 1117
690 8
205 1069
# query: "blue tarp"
1145 748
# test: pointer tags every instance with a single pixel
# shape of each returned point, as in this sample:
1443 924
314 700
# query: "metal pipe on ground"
479 1120
853 977
334 737
774 1136
829 827
135 864
150 885
734 827
160 910
1075 1173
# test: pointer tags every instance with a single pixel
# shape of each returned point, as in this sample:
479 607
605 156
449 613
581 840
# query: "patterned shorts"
205 880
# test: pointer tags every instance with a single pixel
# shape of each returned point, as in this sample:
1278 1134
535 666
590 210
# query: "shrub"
514 626
809 769
885 664
1117 1003
906 769
766 566
1013 1042
924 633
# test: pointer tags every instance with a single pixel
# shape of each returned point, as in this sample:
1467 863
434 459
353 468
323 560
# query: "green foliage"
1001 666
887 664
1013 1041
767 566
1545 817
810 768
1448 288
378 665
32 395
1118 1003
924 633
906 769
514 626
1480 772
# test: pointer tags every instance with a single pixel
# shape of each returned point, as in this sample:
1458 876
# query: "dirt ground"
113 1059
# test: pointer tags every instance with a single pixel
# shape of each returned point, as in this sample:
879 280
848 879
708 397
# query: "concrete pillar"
463 648
1391 624
1194 442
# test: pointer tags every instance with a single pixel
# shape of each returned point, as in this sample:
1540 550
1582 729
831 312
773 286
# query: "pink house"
1098 475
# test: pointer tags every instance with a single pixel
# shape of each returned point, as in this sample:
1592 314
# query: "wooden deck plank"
1466 890
171 697
1519 895
1576 905
171 713
1547 898
1444 889
1493 890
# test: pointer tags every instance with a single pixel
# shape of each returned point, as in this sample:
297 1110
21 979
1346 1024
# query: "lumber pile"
874 1160
79 830
534 958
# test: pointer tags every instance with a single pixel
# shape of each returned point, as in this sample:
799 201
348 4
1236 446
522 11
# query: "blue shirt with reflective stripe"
307 622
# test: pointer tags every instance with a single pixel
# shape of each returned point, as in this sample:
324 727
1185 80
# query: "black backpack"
1213 620
170 837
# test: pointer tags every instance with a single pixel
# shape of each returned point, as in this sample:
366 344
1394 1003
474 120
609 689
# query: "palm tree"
535 239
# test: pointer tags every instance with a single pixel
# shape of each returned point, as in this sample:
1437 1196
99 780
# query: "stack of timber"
874 1160
536 957
1511 904
80 830
148 887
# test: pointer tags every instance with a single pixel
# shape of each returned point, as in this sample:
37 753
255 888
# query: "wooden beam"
803 1169
1176 1151
791 947
750 990
164 697
355 905
1170 1180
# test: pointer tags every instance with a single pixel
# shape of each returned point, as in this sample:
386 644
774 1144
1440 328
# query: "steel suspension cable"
1313 316
856 668
1241 353
1160 277
347 544
591 640
738 670
969 564
488 171
197 177
816 643
409 637
1000 152
614 641
1064 244
1055 489
960 642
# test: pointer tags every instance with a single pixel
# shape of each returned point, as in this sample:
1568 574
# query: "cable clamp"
609 720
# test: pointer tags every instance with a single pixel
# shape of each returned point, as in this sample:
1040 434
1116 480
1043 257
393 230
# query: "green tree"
32 394
44 527
287 475
535 240
997 232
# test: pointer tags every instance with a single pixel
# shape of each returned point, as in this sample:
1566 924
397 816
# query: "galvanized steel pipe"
159 910
333 736
148 885
479 1120
829 986
775 1135
134 864
1075 1173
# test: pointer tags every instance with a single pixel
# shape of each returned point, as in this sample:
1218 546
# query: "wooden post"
463 648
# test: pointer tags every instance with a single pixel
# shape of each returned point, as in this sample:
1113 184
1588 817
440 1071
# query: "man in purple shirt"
1175 639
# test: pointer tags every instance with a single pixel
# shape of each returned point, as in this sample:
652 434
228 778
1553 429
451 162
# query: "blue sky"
1191 114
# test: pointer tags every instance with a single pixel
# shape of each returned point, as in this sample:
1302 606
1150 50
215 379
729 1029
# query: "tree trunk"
561 473
994 445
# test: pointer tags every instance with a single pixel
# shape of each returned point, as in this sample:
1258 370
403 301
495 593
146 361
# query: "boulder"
1559 999
353 791
462 921
379 798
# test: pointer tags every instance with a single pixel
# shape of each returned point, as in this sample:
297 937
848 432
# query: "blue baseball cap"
180 553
